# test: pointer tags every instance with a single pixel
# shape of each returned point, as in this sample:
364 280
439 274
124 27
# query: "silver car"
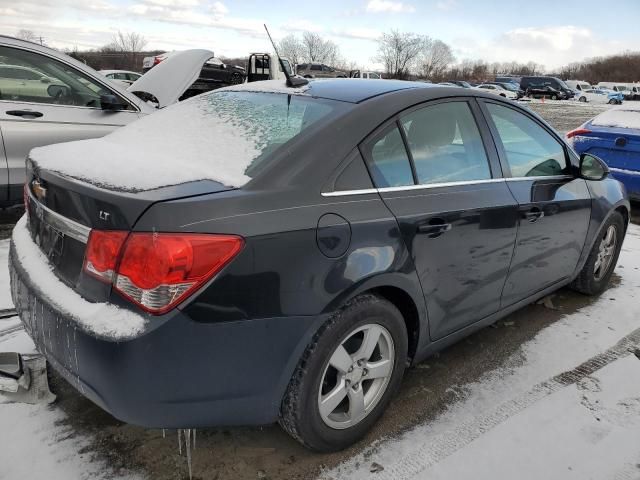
48 97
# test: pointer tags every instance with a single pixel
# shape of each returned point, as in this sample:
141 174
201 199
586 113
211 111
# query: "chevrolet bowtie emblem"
38 190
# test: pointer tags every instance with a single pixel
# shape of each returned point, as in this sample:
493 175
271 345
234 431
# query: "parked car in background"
538 83
635 91
614 136
579 85
365 75
447 84
619 87
511 86
545 91
124 77
460 83
69 101
599 95
498 90
508 78
279 283
214 74
319 70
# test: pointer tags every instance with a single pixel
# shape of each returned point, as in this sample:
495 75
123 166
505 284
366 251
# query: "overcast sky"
551 33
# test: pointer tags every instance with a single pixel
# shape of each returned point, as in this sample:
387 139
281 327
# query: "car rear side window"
388 160
445 144
529 149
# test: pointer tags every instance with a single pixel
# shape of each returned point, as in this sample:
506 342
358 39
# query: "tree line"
402 55
624 67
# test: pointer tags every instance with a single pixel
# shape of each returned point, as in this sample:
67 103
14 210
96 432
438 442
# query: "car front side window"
56 83
529 149
445 144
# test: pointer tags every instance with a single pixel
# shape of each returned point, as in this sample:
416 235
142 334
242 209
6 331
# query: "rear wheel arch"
622 210
407 307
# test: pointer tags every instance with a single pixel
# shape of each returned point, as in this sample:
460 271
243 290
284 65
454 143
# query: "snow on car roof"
625 116
268 86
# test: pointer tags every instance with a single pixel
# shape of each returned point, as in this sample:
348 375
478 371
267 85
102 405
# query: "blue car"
614 136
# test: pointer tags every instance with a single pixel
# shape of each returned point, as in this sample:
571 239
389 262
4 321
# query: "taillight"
158 270
576 132
102 253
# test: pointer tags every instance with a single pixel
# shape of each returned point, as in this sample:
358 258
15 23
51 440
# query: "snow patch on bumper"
102 319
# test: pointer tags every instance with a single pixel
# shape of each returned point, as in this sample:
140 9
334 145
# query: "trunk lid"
63 211
168 80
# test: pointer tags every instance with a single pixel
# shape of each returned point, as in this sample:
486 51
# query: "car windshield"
510 86
561 84
622 87
464 84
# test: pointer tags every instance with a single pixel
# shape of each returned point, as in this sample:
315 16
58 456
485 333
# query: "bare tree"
436 58
399 52
291 48
28 35
317 49
131 42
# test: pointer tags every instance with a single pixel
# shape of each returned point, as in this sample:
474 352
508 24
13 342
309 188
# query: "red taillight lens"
158 270
576 132
103 250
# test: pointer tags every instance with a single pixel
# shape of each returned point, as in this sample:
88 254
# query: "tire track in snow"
446 444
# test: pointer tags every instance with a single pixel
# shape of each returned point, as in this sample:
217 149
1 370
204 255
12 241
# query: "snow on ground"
527 420
521 422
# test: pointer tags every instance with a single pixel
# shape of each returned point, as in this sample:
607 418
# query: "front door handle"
25 113
534 214
434 229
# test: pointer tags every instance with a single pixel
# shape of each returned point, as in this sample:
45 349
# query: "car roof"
356 90
351 90
118 71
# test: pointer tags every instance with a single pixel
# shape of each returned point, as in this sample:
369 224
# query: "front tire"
582 99
596 273
347 375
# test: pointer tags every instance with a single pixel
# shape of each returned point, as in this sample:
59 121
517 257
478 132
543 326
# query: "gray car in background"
48 97
319 70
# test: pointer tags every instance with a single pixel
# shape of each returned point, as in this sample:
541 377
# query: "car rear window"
224 136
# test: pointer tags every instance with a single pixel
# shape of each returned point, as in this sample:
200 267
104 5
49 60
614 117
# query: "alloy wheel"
606 251
356 376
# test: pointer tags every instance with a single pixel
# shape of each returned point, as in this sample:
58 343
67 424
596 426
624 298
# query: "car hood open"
168 80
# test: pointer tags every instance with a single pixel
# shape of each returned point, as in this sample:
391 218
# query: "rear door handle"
434 230
25 113
534 214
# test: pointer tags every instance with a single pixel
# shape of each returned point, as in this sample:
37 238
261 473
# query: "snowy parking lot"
552 391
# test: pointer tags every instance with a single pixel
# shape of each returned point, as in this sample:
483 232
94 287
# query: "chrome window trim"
64 225
366 191
539 177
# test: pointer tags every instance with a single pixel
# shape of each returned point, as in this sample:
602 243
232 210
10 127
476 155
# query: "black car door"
456 213
554 206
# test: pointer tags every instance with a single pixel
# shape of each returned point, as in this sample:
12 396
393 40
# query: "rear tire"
582 99
612 102
336 364
596 273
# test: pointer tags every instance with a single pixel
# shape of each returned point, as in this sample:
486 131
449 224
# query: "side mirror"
592 167
57 91
45 80
111 102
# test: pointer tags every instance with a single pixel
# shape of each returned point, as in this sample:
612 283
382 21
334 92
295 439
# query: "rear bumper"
177 373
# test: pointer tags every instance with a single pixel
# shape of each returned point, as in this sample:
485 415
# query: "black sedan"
545 91
279 254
